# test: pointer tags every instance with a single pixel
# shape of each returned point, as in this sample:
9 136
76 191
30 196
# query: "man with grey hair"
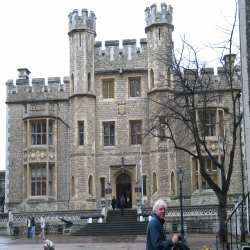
156 235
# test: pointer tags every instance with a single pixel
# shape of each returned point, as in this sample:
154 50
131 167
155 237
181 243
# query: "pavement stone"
123 242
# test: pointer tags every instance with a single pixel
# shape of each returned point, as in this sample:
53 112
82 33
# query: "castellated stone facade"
66 139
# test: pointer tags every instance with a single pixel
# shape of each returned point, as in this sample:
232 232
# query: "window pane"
38 139
50 174
112 129
208 166
137 88
105 90
33 128
197 181
132 128
50 188
44 174
33 140
33 188
106 129
132 89
50 128
112 141
44 127
81 127
33 174
38 190
111 90
102 187
38 128
106 141
138 139
50 139
133 139
38 177
44 188
81 139
138 128
44 139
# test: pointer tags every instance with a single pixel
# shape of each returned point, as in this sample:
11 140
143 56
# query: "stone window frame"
134 78
137 121
108 123
39 178
46 137
80 133
162 128
199 182
102 123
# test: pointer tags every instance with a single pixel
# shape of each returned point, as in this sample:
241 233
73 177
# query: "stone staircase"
126 224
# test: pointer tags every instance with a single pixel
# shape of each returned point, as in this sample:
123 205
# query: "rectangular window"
38 181
108 89
102 187
109 134
39 133
81 133
144 185
207 124
211 170
136 133
135 88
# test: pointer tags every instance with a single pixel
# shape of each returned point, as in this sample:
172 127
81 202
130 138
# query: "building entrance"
123 187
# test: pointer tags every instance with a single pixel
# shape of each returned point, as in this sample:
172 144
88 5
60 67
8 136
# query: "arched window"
154 183
89 82
152 84
72 187
91 185
172 182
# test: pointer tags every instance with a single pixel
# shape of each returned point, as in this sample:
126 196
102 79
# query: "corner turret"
83 22
154 17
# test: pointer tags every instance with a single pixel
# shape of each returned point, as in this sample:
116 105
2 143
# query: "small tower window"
80 40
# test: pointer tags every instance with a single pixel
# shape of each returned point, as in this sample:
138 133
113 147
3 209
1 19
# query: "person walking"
156 235
113 204
42 227
33 224
122 202
28 227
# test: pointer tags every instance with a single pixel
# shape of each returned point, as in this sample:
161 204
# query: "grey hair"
159 202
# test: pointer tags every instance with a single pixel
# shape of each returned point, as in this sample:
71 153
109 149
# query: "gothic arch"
154 183
72 187
172 182
90 185
72 83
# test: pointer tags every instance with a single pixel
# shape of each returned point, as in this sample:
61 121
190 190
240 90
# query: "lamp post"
180 179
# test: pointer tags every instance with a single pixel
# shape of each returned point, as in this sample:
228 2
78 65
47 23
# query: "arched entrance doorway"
123 186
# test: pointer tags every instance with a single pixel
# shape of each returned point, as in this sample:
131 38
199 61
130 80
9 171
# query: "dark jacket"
156 235
123 201
32 221
113 203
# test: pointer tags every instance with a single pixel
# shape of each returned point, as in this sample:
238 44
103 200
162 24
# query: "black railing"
237 225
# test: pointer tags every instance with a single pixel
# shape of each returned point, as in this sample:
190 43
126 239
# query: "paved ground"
129 242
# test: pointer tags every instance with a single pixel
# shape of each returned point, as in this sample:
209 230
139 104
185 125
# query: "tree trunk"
222 213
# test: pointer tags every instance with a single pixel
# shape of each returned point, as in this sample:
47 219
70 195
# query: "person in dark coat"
122 201
156 235
33 224
113 204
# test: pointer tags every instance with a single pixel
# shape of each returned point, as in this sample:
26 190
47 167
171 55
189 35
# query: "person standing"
42 227
122 201
113 204
28 226
156 235
33 224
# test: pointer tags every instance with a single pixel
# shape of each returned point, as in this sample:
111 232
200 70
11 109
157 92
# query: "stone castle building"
75 142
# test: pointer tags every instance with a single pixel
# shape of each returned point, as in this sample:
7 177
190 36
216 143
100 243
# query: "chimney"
23 73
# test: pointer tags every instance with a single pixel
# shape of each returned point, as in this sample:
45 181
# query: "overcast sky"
34 33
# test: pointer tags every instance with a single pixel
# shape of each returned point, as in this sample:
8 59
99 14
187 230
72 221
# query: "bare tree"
196 106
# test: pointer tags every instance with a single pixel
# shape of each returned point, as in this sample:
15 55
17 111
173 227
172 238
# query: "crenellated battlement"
37 89
165 16
84 21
